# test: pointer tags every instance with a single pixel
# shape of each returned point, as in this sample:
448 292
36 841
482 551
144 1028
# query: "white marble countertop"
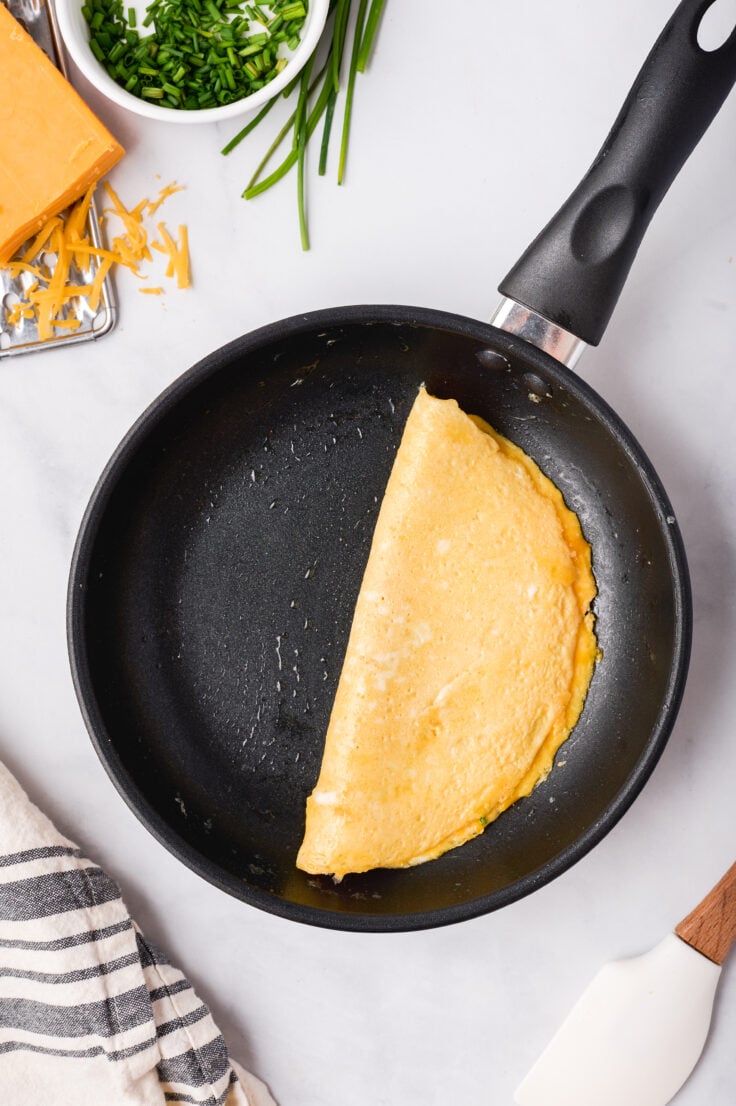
465 139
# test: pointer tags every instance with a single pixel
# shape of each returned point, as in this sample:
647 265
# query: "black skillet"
218 563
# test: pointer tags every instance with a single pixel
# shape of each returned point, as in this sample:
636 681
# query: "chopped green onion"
293 11
166 64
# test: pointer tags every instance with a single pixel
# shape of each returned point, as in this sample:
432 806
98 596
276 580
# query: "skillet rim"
160 829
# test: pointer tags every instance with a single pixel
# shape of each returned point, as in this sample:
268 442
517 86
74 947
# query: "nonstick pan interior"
218 565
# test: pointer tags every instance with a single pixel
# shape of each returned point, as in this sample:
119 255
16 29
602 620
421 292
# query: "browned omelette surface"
470 652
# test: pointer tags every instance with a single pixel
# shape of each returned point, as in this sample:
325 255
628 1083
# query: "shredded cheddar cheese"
168 190
178 254
63 248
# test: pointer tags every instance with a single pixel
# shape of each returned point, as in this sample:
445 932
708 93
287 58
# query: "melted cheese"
53 146
469 656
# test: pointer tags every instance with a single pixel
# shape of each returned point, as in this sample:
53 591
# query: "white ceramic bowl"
75 33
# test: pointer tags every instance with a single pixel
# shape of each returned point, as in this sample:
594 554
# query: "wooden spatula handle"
711 926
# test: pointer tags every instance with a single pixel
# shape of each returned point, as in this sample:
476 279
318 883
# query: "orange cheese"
53 146
52 292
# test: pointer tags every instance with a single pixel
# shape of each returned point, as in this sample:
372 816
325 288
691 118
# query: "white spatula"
637 1032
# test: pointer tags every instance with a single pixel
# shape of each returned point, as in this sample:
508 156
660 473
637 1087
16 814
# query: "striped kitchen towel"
91 1013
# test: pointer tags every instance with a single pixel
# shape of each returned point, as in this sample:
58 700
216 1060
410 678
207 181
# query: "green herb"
200 53
483 821
359 23
366 46
329 116
317 98
300 135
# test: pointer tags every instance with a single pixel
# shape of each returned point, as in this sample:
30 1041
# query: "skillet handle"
711 926
573 272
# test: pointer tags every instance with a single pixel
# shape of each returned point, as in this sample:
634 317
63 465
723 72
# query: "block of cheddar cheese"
469 657
53 145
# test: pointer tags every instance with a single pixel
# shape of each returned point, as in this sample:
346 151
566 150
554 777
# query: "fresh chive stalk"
256 186
352 73
322 94
369 34
249 127
329 116
339 30
300 131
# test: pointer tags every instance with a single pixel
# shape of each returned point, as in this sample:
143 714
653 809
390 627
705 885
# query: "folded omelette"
469 656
